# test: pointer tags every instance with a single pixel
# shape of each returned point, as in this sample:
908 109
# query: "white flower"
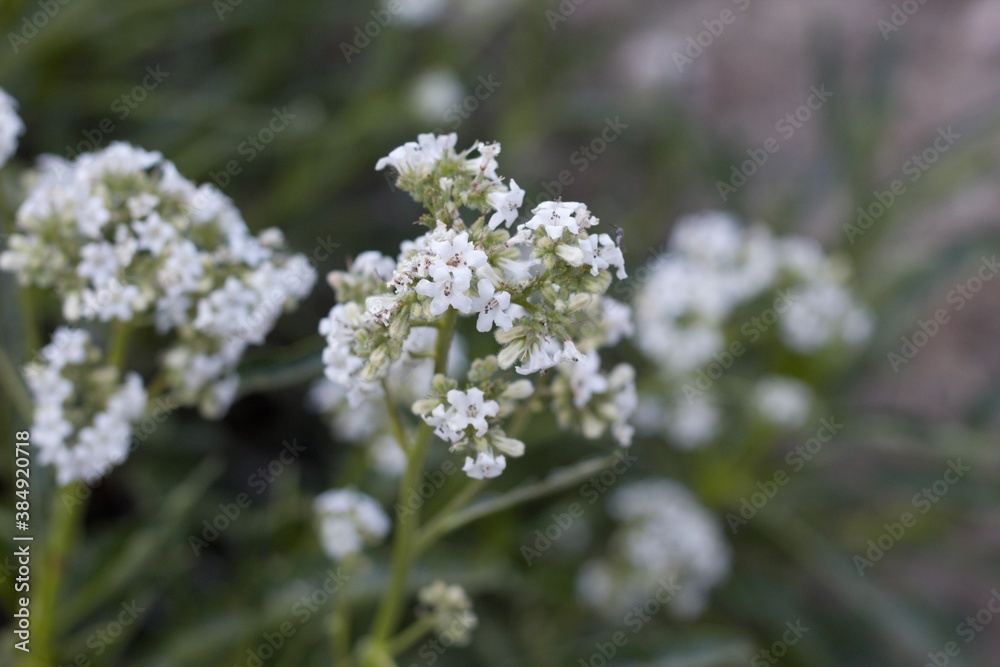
492 307
449 610
601 252
782 401
486 466
556 217
113 301
141 205
11 126
507 203
665 536
465 409
419 157
154 233
225 310
99 262
451 274
348 521
585 380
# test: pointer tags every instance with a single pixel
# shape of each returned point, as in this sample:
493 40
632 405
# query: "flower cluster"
449 611
348 521
665 535
538 287
79 399
11 126
122 237
722 288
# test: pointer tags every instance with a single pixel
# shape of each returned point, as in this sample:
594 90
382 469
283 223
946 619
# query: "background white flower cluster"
122 237
723 288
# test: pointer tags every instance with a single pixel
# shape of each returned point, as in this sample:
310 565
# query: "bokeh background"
200 79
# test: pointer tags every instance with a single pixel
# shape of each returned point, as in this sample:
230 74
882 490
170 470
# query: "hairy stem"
390 609
55 550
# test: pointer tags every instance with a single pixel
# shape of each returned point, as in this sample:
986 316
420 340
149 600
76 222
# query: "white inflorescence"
349 521
536 287
449 610
665 535
722 284
83 412
11 126
121 236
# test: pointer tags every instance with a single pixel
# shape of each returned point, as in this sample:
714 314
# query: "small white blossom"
421 156
11 126
348 521
556 217
492 307
507 205
485 466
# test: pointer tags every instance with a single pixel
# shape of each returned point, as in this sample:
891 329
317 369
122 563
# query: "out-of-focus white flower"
349 521
434 92
11 126
450 611
120 235
70 377
665 535
783 401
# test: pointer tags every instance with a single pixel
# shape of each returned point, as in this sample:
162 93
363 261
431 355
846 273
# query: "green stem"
61 531
340 628
409 636
390 609
560 480
466 495
395 421
14 386
118 345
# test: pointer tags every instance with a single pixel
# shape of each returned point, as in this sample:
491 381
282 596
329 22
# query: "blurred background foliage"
565 70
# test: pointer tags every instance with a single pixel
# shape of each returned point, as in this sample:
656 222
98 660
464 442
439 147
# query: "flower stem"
14 386
118 345
409 636
340 628
390 609
61 532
